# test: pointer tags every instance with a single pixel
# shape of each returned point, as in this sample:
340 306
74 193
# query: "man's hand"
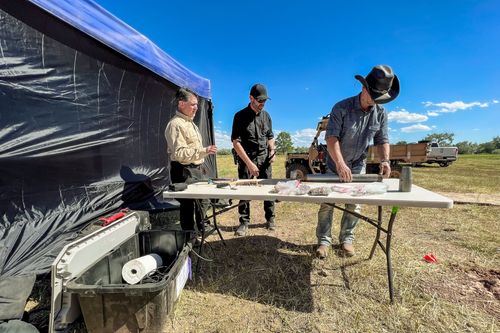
272 155
211 150
385 169
252 168
333 147
344 173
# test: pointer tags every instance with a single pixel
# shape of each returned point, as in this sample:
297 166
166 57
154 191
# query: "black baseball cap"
258 91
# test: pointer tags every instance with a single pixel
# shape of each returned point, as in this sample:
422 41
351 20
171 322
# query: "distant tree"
486 148
444 139
467 147
224 151
496 142
301 149
402 143
284 143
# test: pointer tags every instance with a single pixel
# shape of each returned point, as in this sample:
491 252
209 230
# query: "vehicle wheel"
301 171
395 171
444 164
395 174
372 168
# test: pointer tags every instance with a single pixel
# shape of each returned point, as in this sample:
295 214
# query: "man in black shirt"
253 141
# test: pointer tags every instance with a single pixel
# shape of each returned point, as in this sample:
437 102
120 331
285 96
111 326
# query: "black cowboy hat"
381 83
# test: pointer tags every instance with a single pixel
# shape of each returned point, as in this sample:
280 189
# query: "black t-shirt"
252 130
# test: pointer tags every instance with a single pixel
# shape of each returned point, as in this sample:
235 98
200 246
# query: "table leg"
388 252
216 227
203 237
377 237
214 215
385 248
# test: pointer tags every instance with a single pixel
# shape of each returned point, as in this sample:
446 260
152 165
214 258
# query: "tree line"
284 144
464 147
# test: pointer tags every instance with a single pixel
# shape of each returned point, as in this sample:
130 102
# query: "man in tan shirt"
187 154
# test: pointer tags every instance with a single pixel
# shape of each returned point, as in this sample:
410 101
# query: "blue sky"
445 53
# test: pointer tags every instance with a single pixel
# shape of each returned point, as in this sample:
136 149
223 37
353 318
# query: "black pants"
191 211
265 172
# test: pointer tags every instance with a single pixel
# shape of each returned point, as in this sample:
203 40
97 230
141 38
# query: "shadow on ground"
258 268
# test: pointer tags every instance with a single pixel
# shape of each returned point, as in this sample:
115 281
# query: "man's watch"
385 161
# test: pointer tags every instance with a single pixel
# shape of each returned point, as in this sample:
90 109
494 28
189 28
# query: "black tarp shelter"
84 101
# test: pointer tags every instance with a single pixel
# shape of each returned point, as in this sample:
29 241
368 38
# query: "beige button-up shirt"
184 143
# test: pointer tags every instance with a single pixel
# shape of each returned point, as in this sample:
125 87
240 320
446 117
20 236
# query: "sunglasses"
260 100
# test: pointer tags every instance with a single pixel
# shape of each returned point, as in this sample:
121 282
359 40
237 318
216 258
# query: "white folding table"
418 197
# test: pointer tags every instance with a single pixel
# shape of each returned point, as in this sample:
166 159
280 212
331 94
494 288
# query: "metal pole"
330 178
216 226
377 237
388 252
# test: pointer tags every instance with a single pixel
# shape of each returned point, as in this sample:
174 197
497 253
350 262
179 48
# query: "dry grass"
470 174
271 282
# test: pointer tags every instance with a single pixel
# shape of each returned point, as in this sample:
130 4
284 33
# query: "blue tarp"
89 17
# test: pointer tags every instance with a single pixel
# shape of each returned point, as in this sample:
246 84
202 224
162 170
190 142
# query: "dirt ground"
469 286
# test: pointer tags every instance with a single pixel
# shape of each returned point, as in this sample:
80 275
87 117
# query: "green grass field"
470 174
271 282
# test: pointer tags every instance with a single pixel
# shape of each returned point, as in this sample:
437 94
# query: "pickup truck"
444 156
414 153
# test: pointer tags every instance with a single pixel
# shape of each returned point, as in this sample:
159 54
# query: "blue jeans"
347 224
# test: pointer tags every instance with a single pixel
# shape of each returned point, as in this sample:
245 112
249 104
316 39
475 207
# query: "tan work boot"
242 230
271 225
322 251
347 250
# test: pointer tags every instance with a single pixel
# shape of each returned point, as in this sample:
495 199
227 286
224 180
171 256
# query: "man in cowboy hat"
354 122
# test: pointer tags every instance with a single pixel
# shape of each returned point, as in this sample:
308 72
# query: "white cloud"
405 117
305 132
303 137
495 101
432 113
454 106
222 139
415 128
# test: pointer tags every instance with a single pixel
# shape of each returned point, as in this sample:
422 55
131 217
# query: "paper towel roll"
134 270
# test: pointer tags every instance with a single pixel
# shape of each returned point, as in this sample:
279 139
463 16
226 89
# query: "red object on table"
108 220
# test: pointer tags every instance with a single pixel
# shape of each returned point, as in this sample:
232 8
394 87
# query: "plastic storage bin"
110 305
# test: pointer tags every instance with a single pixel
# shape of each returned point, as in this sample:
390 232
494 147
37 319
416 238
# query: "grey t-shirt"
355 130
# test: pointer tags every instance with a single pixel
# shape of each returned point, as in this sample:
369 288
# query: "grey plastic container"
110 305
